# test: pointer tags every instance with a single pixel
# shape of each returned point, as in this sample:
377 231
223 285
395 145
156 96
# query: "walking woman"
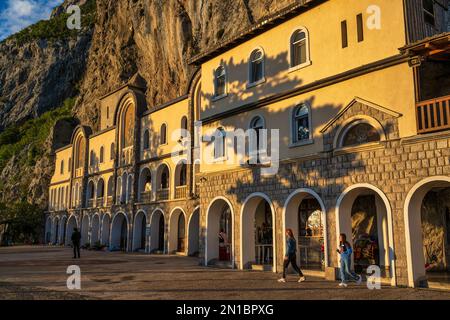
345 251
291 256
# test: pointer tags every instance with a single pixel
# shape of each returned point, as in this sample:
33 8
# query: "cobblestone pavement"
40 273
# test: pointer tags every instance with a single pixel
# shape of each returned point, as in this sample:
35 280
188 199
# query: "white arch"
323 217
154 230
274 241
84 232
173 234
387 205
95 230
113 235
193 243
137 233
412 216
105 229
72 222
62 230
232 228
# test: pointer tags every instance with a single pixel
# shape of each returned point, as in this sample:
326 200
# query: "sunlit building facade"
348 106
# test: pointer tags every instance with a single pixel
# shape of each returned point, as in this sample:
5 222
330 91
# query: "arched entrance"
257 233
63 230
95 230
48 230
194 233
177 231
427 228
363 213
139 232
106 224
219 219
55 232
71 225
119 233
85 230
157 232
304 213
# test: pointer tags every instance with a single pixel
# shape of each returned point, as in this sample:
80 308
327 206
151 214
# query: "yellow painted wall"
62 155
171 116
95 143
327 56
391 88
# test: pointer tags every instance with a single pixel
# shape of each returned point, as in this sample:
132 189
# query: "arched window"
102 151
79 163
164 180
100 188
360 133
220 80
62 167
92 158
128 127
256 66
301 123
163 134
146 140
112 151
219 143
184 126
299 48
257 124
182 172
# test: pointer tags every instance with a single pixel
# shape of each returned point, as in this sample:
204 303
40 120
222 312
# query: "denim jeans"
345 270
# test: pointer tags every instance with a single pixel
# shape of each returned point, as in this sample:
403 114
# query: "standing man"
76 237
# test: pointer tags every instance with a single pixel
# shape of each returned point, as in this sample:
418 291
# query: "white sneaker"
358 282
343 285
302 279
282 280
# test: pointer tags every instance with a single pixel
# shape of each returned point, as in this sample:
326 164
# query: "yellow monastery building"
348 105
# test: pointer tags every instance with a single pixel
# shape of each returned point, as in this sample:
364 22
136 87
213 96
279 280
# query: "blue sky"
18 14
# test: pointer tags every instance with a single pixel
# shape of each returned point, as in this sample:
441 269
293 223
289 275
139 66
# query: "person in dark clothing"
76 237
291 256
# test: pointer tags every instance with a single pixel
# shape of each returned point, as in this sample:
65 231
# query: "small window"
184 127
220 78
299 48
219 143
69 166
359 134
62 167
257 124
360 27
92 158
344 34
102 151
146 140
428 11
112 151
163 139
107 112
301 123
256 66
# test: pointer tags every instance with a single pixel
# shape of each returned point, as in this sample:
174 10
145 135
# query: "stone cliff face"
154 38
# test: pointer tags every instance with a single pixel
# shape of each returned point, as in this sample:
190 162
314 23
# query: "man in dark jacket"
76 237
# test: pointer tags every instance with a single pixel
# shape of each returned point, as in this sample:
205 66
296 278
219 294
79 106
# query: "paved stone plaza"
40 273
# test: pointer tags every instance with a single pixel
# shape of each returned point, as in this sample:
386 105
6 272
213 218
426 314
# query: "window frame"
294 142
250 82
146 140
222 157
102 155
161 142
216 96
428 13
308 61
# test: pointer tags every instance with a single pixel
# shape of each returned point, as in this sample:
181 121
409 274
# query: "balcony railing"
99 202
180 192
109 201
433 115
90 203
162 195
146 197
